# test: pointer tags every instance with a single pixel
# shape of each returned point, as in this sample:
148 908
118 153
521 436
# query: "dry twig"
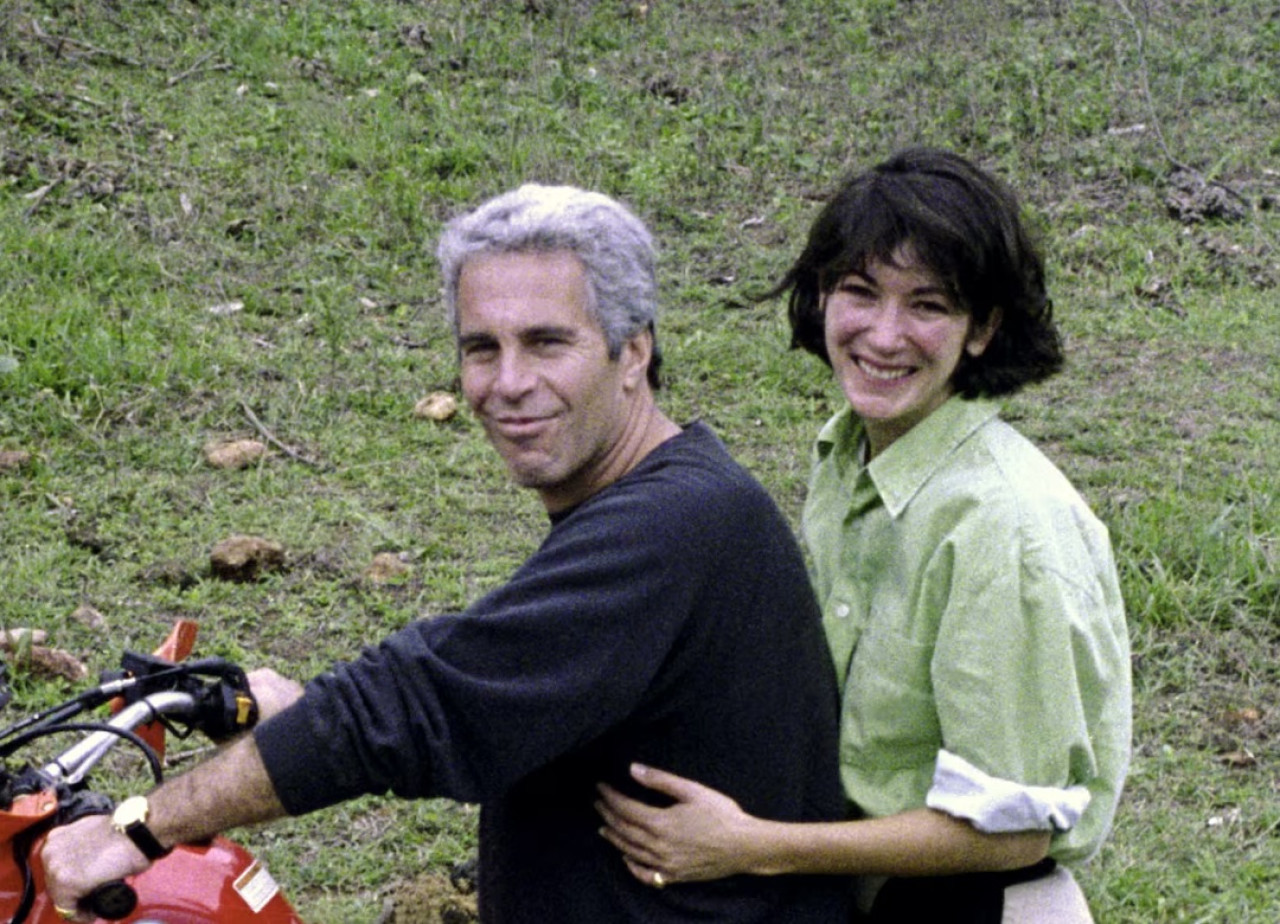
1144 85
60 42
274 440
195 69
40 195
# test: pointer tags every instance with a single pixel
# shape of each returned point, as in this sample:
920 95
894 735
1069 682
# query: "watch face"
130 812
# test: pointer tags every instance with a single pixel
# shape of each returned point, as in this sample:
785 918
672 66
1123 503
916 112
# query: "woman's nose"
884 325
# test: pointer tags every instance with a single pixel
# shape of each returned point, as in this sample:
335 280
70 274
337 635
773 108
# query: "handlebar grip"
111 901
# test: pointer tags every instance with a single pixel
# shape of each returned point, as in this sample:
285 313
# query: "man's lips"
516 427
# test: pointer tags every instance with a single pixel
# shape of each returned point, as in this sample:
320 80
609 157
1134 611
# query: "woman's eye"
855 289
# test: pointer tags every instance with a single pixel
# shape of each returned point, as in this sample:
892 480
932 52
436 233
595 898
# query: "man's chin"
530 475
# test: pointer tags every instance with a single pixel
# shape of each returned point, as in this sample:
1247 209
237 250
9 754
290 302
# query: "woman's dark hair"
960 223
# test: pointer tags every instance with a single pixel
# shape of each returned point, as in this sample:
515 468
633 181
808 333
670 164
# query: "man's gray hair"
614 246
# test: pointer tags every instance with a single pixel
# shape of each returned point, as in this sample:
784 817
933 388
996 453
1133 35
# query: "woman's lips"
882 373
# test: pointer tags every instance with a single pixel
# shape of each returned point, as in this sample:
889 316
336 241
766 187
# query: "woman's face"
895 336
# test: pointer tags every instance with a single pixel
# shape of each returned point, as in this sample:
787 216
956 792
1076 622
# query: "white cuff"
995 806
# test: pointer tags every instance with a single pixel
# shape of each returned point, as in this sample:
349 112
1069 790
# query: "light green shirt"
972 607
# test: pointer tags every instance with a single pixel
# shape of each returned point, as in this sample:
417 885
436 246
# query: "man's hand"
81 856
273 692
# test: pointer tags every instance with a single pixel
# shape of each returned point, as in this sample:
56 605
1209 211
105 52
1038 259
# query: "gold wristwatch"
130 819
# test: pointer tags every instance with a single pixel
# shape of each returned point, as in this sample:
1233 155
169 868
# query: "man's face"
536 372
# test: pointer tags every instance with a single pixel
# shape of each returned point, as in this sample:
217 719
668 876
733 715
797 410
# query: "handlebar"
111 901
75 762
211 696
114 900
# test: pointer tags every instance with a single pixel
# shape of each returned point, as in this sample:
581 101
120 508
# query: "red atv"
214 883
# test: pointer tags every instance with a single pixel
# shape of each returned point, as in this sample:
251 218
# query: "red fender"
217 883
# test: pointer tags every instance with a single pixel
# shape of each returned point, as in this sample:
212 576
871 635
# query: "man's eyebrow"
478 338
548 330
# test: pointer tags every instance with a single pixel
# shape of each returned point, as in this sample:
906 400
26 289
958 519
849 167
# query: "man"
666 619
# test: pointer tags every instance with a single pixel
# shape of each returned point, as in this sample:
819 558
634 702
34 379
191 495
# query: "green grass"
159 160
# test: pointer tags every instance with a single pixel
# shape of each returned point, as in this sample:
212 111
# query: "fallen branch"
39 196
274 440
59 42
195 69
1144 87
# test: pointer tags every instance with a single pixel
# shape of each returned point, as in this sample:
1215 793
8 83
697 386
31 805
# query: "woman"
969 595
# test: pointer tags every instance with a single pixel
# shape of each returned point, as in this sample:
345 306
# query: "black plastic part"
111 901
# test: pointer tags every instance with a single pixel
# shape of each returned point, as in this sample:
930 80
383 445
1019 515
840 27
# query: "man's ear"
980 337
637 353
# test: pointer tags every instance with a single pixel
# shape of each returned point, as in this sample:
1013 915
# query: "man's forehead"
524 292
535 256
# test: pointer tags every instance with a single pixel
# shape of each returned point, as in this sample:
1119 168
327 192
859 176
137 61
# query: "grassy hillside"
217 221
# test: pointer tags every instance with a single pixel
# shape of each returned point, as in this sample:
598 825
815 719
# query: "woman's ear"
980 337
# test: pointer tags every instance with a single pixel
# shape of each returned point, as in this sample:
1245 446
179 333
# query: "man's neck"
646 430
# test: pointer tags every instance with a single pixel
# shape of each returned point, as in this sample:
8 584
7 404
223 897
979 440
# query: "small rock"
13 639
245 558
51 662
439 406
88 616
234 454
12 460
385 567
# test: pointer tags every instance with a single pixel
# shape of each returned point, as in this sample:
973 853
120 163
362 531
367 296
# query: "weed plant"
217 220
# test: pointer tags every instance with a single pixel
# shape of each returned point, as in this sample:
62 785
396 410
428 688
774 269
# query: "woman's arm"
706 835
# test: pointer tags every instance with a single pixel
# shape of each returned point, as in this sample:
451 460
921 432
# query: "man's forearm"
227 791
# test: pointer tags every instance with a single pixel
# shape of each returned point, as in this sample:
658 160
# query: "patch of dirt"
1220 702
434 898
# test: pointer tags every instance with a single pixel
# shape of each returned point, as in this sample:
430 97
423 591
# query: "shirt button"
842 611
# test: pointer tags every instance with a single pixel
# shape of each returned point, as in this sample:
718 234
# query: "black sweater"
667 619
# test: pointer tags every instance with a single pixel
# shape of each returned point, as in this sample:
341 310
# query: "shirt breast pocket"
890 718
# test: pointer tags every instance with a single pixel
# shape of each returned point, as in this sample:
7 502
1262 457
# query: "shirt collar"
906 466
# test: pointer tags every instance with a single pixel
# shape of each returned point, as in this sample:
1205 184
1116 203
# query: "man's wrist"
130 819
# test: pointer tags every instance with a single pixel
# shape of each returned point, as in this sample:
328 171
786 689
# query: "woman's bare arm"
706 835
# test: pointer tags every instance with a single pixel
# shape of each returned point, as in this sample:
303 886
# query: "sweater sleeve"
463 705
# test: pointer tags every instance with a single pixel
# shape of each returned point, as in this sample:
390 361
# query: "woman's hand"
703 835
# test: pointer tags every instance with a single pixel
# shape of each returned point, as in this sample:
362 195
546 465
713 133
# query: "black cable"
153 759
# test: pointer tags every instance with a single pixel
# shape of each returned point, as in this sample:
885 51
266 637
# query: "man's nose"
515 374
